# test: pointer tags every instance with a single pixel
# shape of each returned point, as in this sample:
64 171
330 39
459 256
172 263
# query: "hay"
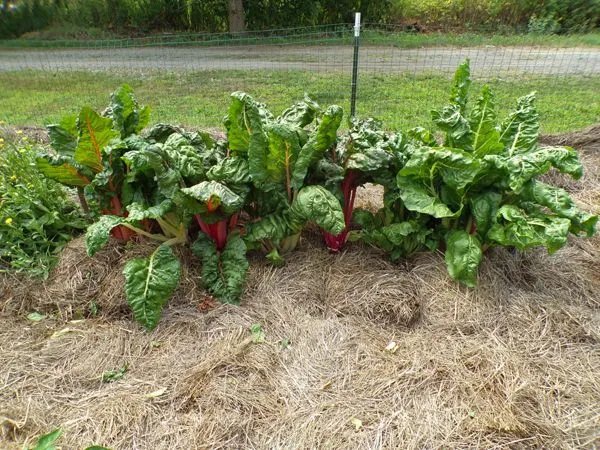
513 363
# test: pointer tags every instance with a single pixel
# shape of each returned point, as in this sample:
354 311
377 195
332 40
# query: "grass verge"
201 99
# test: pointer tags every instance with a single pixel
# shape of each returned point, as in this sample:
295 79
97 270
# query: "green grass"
201 99
95 38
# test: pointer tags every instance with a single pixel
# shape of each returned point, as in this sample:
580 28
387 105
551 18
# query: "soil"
358 352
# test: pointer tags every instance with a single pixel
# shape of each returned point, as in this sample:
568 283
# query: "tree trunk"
237 19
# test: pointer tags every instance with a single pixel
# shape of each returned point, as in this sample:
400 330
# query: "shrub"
37 216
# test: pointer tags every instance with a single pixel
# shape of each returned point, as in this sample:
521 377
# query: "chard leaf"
462 83
519 131
274 227
161 131
98 233
559 202
463 255
521 168
450 119
457 168
417 197
301 114
95 132
150 158
245 123
272 165
484 208
515 228
150 282
316 204
223 274
319 141
422 135
127 116
138 211
232 170
212 195
63 136
48 441
62 170
486 137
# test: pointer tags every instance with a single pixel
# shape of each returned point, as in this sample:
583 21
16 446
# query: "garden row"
473 188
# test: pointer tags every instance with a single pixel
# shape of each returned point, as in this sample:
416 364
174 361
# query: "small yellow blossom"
13 178
19 132
21 150
8 221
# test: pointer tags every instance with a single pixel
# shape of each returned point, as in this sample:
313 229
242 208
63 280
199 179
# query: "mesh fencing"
396 82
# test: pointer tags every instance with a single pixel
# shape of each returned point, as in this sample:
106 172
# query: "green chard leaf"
462 83
48 441
138 211
463 255
212 195
150 282
419 198
486 137
127 116
316 204
515 228
319 141
98 233
63 170
559 202
63 136
484 208
95 132
301 114
223 273
519 131
450 119
245 123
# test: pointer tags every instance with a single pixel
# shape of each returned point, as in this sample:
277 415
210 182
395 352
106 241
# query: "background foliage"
143 16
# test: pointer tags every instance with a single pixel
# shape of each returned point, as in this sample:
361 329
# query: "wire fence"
273 64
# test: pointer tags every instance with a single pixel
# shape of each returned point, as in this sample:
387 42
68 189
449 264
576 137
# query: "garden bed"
357 351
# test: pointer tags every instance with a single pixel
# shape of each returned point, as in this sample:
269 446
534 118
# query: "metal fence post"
355 64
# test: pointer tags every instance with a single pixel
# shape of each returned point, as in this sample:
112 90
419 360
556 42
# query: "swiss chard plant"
87 149
280 151
480 184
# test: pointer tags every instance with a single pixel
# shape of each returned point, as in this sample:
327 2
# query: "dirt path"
485 61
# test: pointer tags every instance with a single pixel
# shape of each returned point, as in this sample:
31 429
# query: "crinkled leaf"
274 227
245 123
127 115
319 141
518 229
417 197
138 211
484 208
457 168
300 114
150 282
463 255
272 165
213 195
486 137
149 158
232 170
462 83
95 132
522 167
559 202
223 274
316 204
519 131
98 233
422 135
451 120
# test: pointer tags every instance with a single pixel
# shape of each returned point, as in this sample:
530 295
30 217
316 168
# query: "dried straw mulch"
514 363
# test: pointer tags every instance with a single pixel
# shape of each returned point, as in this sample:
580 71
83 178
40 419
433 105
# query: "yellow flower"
19 131
13 178
21 150
8 221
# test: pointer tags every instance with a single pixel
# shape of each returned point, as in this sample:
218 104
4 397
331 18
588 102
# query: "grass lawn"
201 99
92 37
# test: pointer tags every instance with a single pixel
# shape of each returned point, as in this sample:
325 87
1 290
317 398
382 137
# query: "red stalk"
217 231
335 243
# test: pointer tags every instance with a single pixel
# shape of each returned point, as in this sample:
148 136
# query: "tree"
237 18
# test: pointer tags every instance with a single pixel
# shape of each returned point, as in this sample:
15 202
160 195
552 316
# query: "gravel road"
485 61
